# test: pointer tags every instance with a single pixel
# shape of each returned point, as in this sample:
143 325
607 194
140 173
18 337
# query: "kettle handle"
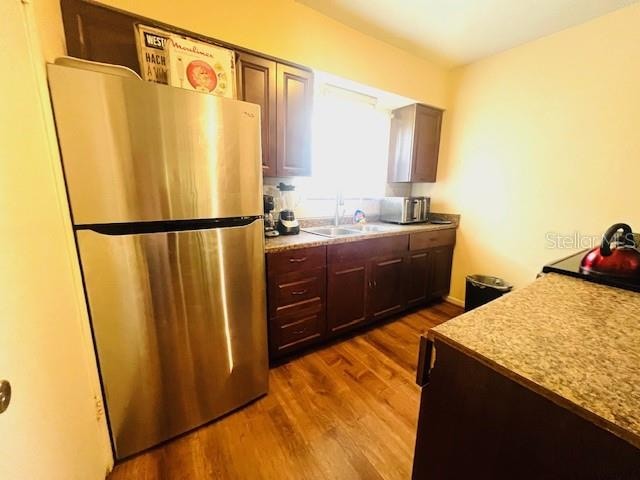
605 247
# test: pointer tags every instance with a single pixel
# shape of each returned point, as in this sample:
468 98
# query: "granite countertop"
305 239
573 341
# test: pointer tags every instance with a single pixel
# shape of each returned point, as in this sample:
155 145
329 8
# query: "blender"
287 223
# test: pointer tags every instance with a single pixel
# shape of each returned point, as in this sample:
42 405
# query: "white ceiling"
457 32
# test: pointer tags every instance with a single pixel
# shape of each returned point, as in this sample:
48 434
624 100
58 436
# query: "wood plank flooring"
345 411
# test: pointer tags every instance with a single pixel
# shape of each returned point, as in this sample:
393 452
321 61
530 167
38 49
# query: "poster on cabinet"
184 62
201 67
151 43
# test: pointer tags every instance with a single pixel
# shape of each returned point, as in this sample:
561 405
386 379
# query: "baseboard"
455 301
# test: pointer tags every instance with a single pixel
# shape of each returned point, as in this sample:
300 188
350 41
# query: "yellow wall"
55 426
289 30
542 138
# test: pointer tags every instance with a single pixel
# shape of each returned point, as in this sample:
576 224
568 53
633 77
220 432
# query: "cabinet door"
99 34
440 271
426 144
417 278
257 84
346 295
401 144
294 99
386 281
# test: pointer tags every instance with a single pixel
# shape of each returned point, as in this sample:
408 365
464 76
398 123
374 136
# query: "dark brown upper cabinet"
294 99
285 95
99 34
414 144
257 84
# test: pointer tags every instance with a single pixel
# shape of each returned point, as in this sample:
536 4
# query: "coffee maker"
269 205
287 223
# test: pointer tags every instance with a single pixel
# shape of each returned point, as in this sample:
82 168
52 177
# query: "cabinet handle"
426 360
298 260
370 284
298 332
299 292
375 284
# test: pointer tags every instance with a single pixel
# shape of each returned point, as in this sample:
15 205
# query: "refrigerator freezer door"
135 151
179 320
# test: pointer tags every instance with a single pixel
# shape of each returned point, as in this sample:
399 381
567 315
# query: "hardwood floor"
345 411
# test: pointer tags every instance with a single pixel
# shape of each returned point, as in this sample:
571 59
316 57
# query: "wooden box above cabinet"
285 94
414 144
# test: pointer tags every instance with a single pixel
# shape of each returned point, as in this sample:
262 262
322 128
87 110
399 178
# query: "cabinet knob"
5 395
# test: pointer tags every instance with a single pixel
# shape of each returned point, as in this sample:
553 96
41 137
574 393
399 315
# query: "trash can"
482 289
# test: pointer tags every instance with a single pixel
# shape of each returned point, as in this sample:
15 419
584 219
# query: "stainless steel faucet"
339 203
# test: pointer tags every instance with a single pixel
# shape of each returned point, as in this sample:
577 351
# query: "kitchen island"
542 383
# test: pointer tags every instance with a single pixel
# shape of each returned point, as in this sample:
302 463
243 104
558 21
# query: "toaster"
405 209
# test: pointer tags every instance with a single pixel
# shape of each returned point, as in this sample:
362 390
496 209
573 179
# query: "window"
350 144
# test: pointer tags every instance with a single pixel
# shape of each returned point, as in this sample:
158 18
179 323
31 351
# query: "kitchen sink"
346 230
331 231
369 228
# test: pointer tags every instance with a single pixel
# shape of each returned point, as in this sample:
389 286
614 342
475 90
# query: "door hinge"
99 407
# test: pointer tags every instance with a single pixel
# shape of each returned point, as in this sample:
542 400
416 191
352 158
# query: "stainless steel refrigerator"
165 189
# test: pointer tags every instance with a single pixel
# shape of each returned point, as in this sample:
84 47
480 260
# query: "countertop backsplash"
314 206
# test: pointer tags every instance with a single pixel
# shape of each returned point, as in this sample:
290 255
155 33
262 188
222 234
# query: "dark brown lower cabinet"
386 282
365 281
417 283
476 423
429 274
440 260
347 289
296 295
323 292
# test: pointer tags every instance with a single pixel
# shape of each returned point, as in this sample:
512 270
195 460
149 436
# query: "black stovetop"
571 266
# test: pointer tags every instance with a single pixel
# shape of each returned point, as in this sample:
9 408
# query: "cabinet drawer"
302 326
290 289
436 238
295 260
303 329
364 249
